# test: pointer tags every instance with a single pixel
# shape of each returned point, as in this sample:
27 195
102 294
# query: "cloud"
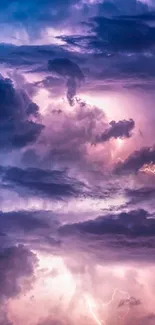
27 221
111 8
70 71
131 301
76 258
112 35
4 316
127 237
44 183
35 16
35 228
136 160
67 140
18 117
140 194
149 319
121 129
133 223
17 262
108 8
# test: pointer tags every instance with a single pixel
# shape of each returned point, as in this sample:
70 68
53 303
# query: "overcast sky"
77 162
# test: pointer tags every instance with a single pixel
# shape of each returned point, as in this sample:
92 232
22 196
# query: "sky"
77 162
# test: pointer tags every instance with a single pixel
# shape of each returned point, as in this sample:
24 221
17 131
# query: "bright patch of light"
119 143
112 105
148 168
42 100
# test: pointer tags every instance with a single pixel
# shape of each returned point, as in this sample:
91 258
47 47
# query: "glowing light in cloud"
148 168
114 104
119 143
91 306
42 99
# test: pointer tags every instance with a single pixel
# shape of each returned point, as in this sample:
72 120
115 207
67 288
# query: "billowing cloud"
17 263
18 117
77 221
121 129
137 160
70 71
67 139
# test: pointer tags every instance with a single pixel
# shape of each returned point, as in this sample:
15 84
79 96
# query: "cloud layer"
77 162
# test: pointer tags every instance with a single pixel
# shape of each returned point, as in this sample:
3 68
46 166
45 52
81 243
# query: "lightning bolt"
93 314
91 305
148 168
127 298
113 296
125 314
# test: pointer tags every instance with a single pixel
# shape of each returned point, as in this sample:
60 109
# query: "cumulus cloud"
121 129
80 255
136 160
67 140
17 263
18 117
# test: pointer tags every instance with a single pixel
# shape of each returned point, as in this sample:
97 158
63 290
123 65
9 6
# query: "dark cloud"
70 71
45 183
131 302
115 35
131 7
110 8
135 71
112 35
149 319
35 228
40 14
133 223
120 237
121 129
27 221
18 117
117 51
17 263
141 194
35 15
65 68
29 57
141 66
137 160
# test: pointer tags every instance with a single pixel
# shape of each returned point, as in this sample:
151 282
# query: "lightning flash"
126 300
148 168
